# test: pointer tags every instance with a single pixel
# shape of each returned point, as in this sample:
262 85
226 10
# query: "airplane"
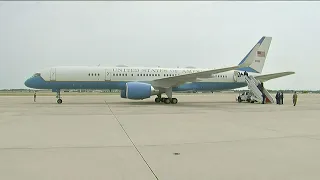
138 83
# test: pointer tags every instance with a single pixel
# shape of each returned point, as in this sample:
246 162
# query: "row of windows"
221 76
95 74
166 75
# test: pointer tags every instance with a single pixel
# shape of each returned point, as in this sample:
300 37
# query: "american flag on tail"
261 54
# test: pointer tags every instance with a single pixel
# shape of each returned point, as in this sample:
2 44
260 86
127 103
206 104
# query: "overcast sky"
36 35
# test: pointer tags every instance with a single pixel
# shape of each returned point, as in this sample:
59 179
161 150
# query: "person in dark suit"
263 98
281 97
278 97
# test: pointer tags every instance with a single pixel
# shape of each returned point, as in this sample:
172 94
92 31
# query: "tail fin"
259 56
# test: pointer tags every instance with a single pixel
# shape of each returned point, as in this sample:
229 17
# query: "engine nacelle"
138 90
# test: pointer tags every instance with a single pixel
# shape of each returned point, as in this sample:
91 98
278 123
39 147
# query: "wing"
178 80
267 77
181 79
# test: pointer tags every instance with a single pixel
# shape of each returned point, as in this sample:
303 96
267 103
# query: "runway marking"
132 142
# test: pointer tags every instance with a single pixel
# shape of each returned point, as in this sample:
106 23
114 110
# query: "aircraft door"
107 75
53 74
236 76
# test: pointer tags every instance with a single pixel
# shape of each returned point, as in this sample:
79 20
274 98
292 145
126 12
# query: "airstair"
257 89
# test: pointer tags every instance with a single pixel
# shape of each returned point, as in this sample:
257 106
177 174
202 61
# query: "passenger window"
89 74
131 74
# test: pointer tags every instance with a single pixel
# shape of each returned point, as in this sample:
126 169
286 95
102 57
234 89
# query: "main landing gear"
168 100
59 100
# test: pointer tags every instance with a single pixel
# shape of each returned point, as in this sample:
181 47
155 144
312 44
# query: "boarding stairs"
256 88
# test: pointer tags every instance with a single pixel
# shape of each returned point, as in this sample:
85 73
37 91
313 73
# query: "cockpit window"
36 74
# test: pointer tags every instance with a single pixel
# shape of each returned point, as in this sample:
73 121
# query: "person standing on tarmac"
34 97
263 98
281 97
295 98
277 97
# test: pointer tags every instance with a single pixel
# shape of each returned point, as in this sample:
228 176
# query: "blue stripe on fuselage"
39 83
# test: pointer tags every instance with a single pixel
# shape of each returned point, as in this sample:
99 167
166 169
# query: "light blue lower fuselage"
39 83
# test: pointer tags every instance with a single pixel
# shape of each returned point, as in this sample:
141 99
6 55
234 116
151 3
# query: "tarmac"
204 136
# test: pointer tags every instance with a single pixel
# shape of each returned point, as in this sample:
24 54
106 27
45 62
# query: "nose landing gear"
59 101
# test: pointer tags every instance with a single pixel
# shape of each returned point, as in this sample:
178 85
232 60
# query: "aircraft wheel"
174 101
59 101
157 100
166 101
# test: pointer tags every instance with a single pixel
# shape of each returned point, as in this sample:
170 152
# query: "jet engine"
138 90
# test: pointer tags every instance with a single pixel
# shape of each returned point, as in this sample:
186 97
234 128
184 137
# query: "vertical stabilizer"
260 56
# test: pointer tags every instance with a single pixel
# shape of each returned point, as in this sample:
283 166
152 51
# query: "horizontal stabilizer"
267 77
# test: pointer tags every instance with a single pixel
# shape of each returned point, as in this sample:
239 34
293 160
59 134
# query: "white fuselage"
96 77
125 74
